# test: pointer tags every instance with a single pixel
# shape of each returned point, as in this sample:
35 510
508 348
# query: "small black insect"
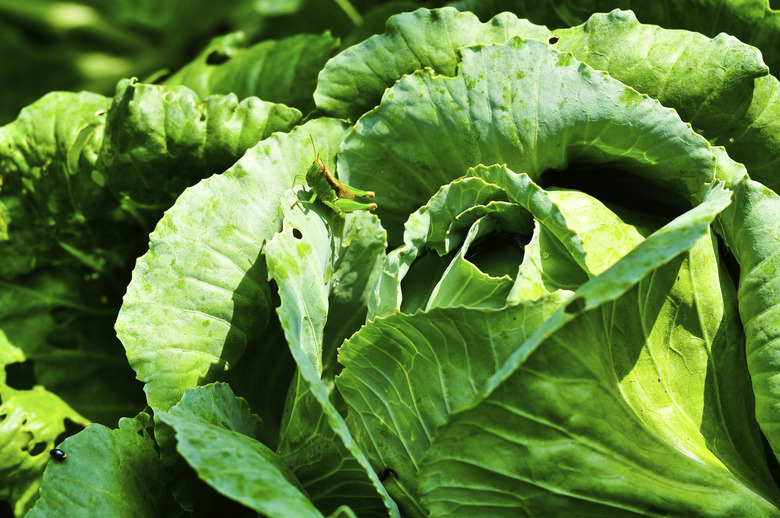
386 473
58 455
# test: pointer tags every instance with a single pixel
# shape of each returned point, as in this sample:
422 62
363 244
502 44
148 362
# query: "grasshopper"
336 195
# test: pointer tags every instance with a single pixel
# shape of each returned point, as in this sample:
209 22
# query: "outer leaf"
353 82
49 159
175 341
315 440
536 118
753 21
160 140
718 85
283 71
216 434
132 480
750 230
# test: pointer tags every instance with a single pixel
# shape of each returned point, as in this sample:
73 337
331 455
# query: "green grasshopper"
336 195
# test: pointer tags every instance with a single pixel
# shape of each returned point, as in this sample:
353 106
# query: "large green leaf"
585 366
50 159
753 21
750 230
131 480
353 82
384 367
30 423
615 418
403 375
547 111
217 435
719 85
160 140
306 259
283 71
207 246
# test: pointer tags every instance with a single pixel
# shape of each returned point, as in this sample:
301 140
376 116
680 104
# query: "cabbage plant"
567 302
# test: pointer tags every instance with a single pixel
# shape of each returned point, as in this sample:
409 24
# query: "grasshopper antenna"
316 155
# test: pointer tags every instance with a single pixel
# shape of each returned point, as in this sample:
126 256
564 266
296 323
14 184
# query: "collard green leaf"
217 435
160 140
204 245
548 115
279 71
353 82
131 481
302 258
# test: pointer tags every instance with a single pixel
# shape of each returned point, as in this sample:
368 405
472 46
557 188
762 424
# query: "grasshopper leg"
307 202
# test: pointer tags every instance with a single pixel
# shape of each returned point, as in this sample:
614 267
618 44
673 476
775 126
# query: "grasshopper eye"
58 455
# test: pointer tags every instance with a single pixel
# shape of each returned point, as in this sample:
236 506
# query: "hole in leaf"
38 448
297 234
553 40
575 306
497 254
217 58
21 376
70 429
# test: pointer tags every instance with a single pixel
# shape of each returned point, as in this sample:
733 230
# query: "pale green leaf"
302 259
404 374
279 71
548 115
353 82
208 246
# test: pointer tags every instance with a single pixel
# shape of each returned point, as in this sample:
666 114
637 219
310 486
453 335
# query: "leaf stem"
350 11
